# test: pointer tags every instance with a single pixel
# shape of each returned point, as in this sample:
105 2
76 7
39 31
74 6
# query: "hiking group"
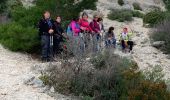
81 35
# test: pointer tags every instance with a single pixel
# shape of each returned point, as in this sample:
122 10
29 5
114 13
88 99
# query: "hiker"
46 29
75 27
110 40
125 39
95 32
101 25
58 35
84 24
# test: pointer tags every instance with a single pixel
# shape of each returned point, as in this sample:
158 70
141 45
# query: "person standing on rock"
58 35
125 39
46 30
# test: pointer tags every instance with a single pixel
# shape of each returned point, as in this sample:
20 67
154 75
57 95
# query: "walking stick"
51 46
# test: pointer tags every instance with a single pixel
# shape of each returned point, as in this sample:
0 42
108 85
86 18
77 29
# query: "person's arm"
74 28
40 26
94 29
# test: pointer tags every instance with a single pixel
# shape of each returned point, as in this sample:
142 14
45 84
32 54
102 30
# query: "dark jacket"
58 28
44 27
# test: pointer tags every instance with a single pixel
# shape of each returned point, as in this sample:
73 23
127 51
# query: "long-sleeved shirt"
75 28
95 26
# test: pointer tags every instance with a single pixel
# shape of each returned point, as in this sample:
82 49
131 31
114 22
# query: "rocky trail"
19 72
144 54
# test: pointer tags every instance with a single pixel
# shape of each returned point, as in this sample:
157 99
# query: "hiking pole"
51 46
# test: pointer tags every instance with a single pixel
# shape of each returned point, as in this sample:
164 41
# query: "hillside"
19 71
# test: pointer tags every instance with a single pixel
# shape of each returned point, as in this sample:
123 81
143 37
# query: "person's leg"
106 43
94 43
114 42
45 47
123 44
130 43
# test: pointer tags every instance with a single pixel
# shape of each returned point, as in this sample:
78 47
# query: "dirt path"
19 78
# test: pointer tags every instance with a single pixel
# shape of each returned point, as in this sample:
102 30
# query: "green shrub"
2 5
137 14
154 17
19 38
124 15
137 6
167 4
121 2
117 79
120 15
24 21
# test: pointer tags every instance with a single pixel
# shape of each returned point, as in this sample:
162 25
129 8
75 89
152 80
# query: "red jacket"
84 25
95 26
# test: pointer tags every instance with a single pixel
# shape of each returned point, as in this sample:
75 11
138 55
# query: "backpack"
69 31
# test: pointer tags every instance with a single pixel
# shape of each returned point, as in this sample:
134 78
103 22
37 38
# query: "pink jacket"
75 28
84 24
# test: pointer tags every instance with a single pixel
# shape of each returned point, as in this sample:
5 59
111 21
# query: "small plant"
137 6
124 15
120 15
137 14
121 2
45 79
154 17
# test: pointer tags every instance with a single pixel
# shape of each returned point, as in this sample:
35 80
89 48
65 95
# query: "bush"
136 6
124 15
2 5
117 79
137 14
121 2
162 33
19 38
154 17
167 3
24 21
120 15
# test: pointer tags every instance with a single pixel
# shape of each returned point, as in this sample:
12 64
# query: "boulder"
158 44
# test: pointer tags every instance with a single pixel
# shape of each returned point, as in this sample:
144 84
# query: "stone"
158 44
52 89
27 79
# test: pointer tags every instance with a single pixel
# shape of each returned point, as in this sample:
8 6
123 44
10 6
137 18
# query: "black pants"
57 41
129 43
45 45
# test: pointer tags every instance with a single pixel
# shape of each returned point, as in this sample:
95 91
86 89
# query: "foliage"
19 38
137 6
124 15
154 17
120 2
2 5
117 79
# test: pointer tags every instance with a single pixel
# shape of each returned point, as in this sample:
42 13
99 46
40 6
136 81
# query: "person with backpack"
73 31
95 32
58 35
46 30
110 40
125 39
